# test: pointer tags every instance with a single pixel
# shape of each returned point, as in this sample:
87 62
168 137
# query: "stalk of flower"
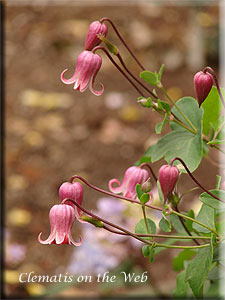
87 67
62 217
194 179
131 233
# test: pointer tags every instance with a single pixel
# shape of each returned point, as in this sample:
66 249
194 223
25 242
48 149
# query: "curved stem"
181 237
122 40
193 220
137 202
150 169
211 71
118 67
180 111
107 222
131 74
131 233
185 227
194 179
111 194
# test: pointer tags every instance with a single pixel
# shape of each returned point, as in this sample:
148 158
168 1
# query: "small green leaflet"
141 228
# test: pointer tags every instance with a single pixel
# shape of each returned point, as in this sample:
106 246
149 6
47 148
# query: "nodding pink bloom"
72 191
168 176
92 39
88 65
203 83
61 218
132 177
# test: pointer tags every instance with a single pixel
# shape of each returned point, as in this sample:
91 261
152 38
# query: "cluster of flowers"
62 216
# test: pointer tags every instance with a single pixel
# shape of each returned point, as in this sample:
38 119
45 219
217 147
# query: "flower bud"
72 191
203 83
147 186
168 176
95 29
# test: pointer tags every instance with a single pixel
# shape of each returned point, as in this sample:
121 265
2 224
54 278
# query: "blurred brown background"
54 132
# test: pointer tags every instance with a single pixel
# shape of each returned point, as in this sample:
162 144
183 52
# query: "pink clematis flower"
94 30
88 65
168 176
132 177
203 83
61 218
72 191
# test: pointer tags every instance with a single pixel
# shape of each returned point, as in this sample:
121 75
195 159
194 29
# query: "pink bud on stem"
168 176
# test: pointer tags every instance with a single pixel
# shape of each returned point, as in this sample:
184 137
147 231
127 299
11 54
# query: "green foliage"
141 228
164 224
206 216
182 287
188 223
161 197
178 261
144 198
198 268
212 202
180 142
139 190
212 107
150 77
159 126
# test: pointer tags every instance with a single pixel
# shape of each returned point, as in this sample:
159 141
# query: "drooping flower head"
132 177
168 176
72 191
61 218
88 65
94 30
203 83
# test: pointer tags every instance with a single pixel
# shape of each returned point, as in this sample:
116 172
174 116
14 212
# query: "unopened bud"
168 176
147 186
92 39
203 83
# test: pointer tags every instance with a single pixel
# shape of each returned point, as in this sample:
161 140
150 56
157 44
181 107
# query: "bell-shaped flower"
61 218
132 177
72 191
96 28
168 176
88 65
203 83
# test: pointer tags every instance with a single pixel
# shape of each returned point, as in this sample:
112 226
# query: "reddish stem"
150 169
118 67
122 40
194 179
111 194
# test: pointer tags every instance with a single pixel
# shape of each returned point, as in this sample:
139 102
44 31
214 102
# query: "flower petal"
71 240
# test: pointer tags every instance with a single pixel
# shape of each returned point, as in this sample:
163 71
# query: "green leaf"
145 102
144 198
146 250
139 190
159 126
164 224
163 105
212 202
161 197
206 216
182 287
152 253
177 225
212 107
141 228
150 77
180 142
160 72
198 268
218 181
189 223
178 261
216 142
